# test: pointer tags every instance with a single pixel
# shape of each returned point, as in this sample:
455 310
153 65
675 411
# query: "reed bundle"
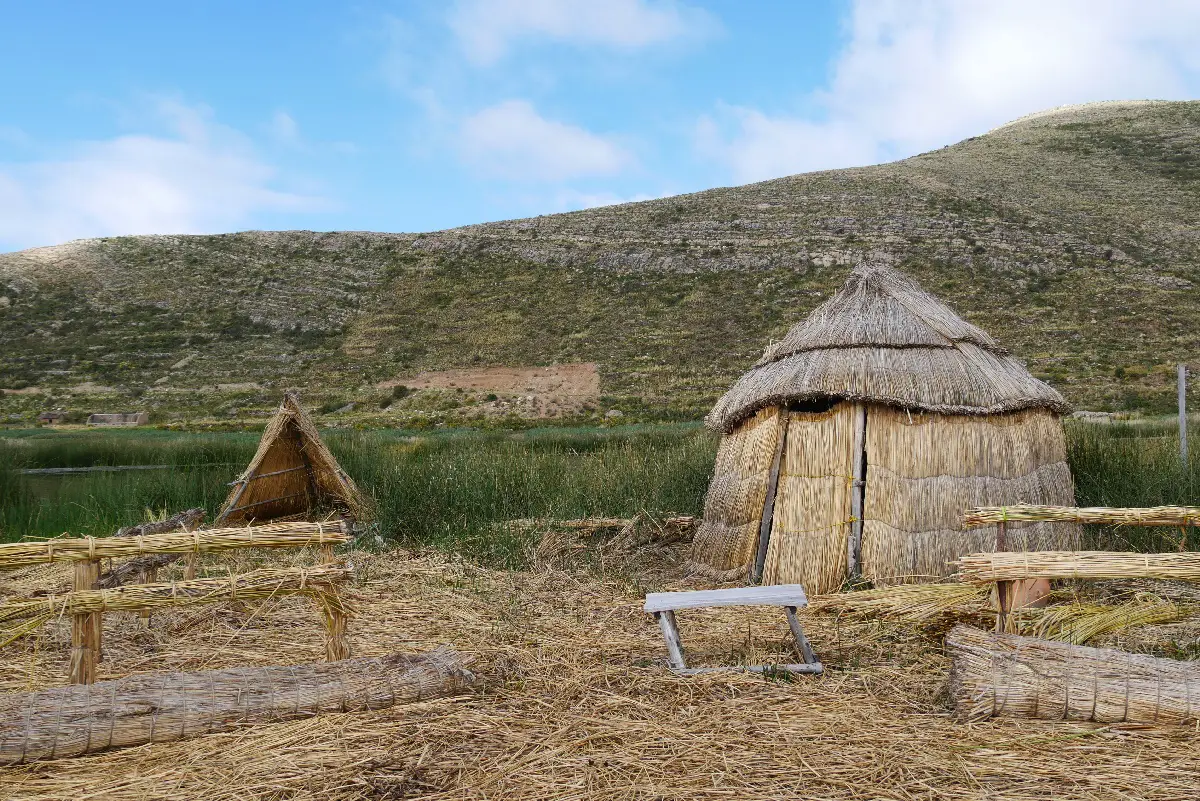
1078 623
1150 516
910 603
1012 676
274 535
255 585
1012 566
81 719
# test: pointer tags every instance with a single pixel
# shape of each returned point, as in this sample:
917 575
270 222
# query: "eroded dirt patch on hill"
562 386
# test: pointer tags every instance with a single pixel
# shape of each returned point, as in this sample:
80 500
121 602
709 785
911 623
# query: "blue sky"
152 117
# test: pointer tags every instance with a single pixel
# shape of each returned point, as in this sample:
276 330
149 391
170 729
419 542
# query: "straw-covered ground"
574 702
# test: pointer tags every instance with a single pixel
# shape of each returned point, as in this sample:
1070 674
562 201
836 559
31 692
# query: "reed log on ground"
255 585
274 535
1008 675
1013 566
156 708
146 565
187 520
1101 515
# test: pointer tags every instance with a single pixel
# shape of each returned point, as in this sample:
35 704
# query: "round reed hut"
855 444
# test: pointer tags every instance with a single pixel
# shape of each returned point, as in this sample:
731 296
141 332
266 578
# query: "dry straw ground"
575 703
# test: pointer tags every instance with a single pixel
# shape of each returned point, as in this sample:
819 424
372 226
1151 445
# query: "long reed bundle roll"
1012 565
1149 516
274 535
256 584
1012 676
162 707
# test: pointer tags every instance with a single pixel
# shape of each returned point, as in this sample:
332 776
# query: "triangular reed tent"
854 445
293 475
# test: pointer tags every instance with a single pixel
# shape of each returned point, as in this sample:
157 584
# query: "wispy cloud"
917 75
200 177
511 140
486 29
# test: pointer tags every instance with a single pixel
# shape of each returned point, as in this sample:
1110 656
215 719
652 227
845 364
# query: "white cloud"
511 140
204 177
572 200
284 129
918 75
486 28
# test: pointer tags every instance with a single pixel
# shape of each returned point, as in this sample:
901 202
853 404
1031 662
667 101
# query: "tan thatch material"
1022 677
82 719
292 474
951 421
987 567
733 507
883 340
811 519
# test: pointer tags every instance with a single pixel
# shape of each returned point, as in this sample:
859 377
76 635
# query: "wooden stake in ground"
86 629
70 721
1183 444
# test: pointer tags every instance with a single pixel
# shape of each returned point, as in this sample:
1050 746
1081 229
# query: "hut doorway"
811 520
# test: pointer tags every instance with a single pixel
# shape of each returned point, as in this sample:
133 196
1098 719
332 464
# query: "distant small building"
127 419
52 418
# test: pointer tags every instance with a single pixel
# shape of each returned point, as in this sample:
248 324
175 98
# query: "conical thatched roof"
292 474
882 339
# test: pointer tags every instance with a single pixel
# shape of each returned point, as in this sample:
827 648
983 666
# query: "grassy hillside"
1072 236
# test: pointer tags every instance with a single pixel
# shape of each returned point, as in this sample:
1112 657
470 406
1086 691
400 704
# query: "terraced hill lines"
1072 235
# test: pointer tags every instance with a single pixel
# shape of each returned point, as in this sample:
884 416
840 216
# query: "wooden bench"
663 606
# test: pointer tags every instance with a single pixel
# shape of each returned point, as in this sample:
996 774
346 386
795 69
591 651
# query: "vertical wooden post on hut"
1183 444
858 483
86 629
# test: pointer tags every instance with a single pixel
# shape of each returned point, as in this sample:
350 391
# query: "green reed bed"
1131 465
450 489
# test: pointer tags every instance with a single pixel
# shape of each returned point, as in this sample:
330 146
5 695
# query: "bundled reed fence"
75 549
75 720
89 602
255 585
1099 515
1012 676
980 568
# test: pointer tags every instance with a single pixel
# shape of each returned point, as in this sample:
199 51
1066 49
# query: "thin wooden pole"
858 488
1183 445
768 512
86 629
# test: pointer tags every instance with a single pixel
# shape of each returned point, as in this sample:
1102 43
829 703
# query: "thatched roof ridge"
881 339
880 307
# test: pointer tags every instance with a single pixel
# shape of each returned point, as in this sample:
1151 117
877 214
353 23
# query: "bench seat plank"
774 595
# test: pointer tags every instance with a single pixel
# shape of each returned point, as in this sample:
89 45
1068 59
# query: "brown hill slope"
1073 236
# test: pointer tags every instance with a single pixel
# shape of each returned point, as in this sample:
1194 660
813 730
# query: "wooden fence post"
86 629
336 647
1183 445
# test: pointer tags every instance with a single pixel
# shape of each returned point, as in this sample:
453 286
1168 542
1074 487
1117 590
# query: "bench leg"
666 622
806 651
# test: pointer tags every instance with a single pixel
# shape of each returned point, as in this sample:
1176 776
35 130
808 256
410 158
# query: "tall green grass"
1134 464
446 489
449 489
